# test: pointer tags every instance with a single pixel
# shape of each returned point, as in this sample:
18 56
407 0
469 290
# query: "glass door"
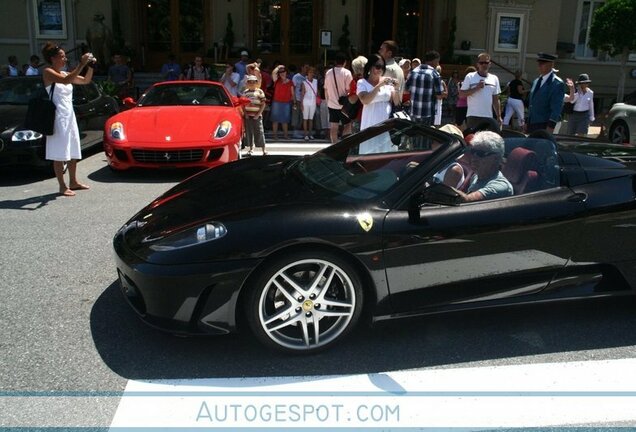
285 30
172 27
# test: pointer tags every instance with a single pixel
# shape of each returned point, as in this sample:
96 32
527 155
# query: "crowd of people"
339 99
343 97
309 101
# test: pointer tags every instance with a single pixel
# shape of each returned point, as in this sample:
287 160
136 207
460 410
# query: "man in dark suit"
546 96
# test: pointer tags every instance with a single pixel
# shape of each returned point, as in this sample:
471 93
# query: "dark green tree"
228 39
344 43
612 31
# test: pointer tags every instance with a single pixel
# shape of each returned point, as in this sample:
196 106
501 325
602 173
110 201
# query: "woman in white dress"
64 144
377 94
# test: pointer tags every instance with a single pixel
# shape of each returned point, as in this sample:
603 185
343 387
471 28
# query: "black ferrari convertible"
300 249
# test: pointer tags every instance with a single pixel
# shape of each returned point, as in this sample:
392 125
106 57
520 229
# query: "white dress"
376 112
380 108
64 144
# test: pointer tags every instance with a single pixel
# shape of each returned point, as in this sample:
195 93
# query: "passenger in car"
453 175
487 154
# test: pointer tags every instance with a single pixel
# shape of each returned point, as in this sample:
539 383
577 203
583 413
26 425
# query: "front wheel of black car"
619 133
305 302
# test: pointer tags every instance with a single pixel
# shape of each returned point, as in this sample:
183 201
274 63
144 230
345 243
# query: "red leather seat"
521 170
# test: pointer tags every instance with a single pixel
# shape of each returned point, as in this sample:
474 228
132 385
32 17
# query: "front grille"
168 157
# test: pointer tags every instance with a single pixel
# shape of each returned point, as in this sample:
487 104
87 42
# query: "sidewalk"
292 146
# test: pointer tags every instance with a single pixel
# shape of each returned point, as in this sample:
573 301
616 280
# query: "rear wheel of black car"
619 133
305 302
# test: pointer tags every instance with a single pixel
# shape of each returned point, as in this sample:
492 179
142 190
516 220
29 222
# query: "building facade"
298 31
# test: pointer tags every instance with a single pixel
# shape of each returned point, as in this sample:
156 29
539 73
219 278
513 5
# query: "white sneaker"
306 138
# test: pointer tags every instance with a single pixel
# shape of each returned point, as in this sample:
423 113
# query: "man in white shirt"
482 90
33 67
12 66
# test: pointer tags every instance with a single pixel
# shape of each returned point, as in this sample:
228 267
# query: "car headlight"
117 131
223 129
191 236
26 135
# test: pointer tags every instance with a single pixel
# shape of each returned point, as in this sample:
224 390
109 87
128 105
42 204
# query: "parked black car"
299 248
26 147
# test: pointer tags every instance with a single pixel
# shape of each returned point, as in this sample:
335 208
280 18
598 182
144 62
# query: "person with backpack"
197 71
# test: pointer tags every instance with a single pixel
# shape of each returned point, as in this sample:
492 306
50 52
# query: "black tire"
305 302
619 133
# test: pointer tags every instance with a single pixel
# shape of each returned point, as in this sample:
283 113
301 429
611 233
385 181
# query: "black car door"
92 110
447 256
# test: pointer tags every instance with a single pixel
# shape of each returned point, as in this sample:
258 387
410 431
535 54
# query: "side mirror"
240 101
129 102
439 193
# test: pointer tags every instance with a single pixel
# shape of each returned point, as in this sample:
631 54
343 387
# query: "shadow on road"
19 176
135 351
107 175
31 203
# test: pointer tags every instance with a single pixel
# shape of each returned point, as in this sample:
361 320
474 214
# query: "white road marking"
533 395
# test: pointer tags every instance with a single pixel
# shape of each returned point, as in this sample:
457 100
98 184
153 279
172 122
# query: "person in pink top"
462 103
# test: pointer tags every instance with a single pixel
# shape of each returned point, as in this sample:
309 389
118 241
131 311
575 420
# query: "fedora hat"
583 79
545 57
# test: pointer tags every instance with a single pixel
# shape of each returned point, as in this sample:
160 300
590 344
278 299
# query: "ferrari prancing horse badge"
366 221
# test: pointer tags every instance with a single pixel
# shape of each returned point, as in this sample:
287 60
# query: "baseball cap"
251 78
244 53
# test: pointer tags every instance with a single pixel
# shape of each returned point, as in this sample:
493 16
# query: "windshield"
19 91
186 95
370 164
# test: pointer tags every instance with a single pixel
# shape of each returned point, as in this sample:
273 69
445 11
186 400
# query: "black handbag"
40 116
349 110
568 108
400 112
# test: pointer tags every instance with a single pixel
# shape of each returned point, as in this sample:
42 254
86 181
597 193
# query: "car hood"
237 194
11 116
172 125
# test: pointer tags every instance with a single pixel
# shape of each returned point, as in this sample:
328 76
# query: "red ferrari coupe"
176 124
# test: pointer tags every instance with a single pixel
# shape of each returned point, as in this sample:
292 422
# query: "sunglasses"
481 153
483 62
378 65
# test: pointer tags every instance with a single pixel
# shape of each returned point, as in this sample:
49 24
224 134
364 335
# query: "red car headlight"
223 129
117 131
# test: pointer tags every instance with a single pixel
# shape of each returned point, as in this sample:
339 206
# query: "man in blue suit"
546 96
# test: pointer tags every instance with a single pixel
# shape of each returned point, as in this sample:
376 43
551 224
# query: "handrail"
508 70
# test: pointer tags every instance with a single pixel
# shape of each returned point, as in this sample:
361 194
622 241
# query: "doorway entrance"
285 30
401 21
172 27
